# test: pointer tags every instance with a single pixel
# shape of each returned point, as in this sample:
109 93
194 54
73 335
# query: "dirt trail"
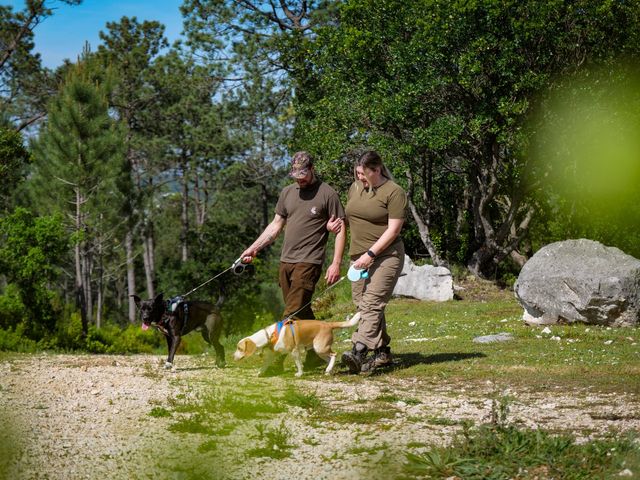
85 417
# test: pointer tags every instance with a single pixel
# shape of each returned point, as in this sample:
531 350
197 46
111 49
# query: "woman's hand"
364 262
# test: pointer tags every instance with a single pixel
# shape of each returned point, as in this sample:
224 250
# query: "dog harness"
279 326
174 304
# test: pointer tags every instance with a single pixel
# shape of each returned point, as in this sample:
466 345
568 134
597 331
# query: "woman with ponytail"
375 213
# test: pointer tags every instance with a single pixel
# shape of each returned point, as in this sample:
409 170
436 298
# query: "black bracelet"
371 254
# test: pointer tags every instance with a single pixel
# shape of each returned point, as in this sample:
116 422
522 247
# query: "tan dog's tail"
352 322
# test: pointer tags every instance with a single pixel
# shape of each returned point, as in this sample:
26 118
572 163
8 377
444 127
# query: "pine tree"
79 162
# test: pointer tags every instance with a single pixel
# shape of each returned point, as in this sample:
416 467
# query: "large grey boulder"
424 282
580 281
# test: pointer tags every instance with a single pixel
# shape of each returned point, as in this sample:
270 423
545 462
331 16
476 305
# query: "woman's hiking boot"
354 359
381 358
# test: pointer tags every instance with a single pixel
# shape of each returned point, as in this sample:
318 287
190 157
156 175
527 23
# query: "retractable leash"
238 268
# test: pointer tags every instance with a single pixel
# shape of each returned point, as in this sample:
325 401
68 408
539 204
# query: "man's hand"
335 224
248 255
333 274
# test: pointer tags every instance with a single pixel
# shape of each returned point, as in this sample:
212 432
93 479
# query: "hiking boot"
313 360
354 359
381 358
276 367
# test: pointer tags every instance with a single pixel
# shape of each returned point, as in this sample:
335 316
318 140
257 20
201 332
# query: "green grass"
498 450
159 412
505 452
296 398
274 442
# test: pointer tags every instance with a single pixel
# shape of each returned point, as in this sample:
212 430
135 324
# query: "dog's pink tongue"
145 326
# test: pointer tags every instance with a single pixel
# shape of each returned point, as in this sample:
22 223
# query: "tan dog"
300 335
294 337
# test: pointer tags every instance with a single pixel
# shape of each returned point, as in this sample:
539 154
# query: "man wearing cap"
310 209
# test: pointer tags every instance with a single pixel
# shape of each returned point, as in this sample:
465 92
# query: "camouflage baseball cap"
301 163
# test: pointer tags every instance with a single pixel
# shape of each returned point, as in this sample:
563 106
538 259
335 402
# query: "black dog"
178 317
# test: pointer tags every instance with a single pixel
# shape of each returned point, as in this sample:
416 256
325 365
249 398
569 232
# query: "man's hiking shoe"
354 359
313 360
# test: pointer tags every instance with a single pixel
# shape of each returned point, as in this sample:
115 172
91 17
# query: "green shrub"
68 335
134 340
12 310
15 341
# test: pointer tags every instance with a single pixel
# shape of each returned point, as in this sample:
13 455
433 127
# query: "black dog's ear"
136 299
159 298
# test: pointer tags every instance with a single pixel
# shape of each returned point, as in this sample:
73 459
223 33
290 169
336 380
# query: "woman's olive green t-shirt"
368 213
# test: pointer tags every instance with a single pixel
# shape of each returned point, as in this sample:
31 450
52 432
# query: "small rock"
625 473
500 337
557 339
546 330
412 324
608 342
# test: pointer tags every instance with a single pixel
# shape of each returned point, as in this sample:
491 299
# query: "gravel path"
89 416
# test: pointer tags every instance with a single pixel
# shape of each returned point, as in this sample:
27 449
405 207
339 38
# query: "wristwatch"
371 254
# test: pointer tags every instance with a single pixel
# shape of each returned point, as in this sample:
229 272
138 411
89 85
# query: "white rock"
424 282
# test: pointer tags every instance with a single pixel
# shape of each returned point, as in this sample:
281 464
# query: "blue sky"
63 34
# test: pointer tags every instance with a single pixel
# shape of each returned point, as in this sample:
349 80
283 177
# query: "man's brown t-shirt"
307 211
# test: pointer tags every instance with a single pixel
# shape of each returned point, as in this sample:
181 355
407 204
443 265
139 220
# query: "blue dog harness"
279 326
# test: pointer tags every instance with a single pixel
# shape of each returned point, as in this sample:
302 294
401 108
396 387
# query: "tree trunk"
482 263
131 275
86 272
497 234
149 260
264 199
184 214
100 286
80 286
423 220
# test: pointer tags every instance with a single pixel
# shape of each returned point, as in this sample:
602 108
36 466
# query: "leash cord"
314 299
210 280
